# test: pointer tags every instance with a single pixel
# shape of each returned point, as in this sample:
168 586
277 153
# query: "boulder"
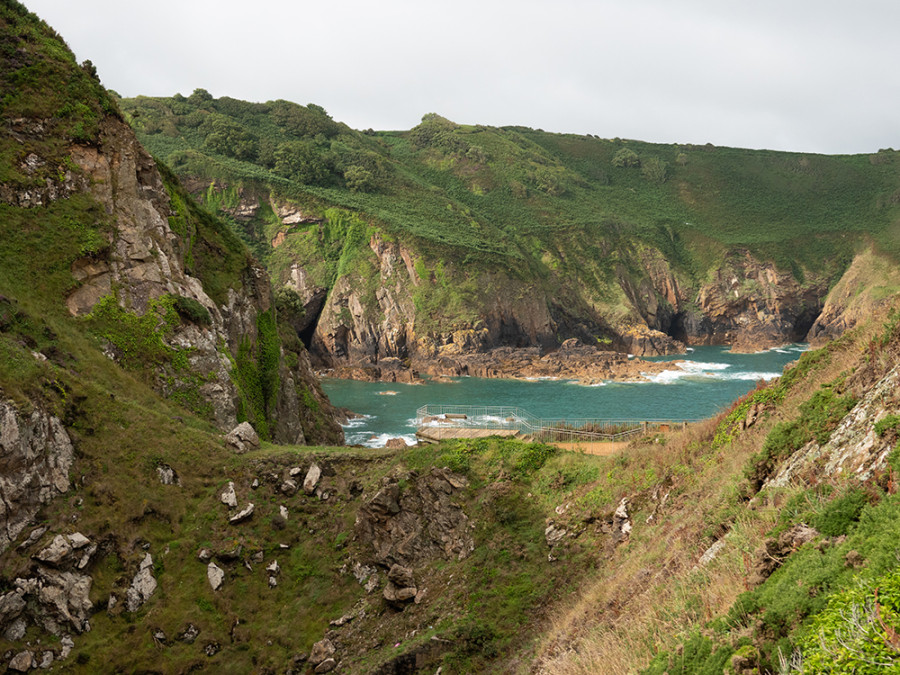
396 444
321 651
229 496
243 514
312 479
167 475
22 662
142 586
216 576
242 438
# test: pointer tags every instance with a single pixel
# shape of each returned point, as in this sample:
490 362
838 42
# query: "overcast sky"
803 75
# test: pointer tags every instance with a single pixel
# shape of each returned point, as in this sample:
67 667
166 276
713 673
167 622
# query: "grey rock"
167 475
37 454
11 605
295 471
283 512
312 479
47 658
16 630
289 488
36 534
212 648
273 567
326 666
216 576
242 438
67 644
63 599
189 634
229 496
142 586
321 650
402 576
243 514
22 662
554 534
204 555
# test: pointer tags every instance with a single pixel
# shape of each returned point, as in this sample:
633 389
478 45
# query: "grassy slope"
543 203
653 604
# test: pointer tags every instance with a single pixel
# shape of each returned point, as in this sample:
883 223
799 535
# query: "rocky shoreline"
585 364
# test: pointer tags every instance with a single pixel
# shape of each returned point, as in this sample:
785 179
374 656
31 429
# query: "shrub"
191 310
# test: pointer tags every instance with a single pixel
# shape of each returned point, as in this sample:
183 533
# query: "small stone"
67 644
295 471
289 488
205 555
212 648
189 634
167 475
312 479
216 576
229 496
282 510
36 534
22 662
273 567
243 514
326 666
273 582
159 636
46 660
345 619
254 484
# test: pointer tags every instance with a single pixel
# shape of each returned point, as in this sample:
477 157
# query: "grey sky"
803 75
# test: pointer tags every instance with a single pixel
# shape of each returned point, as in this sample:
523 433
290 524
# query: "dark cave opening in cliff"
804 322
676 328
310 322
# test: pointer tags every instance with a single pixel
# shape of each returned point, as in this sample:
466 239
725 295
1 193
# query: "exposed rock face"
854 449
142 586
751 305
35 457
864 290
145 260
419 523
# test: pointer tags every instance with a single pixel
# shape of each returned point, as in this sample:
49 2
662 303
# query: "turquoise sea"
709 380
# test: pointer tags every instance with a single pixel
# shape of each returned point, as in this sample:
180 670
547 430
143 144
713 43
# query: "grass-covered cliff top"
505 196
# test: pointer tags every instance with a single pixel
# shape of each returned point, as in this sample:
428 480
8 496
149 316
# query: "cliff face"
208 336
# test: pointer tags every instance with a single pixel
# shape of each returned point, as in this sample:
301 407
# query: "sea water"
708 381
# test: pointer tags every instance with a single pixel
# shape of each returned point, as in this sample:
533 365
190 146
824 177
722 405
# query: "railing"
555 431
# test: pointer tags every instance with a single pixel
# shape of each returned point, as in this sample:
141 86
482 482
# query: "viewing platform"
436 423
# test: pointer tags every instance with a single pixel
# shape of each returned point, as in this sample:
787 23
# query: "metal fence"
510 418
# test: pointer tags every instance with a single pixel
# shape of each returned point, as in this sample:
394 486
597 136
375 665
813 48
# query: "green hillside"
501 196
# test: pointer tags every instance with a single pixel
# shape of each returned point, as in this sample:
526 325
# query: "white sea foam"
698 370
357 422
370 440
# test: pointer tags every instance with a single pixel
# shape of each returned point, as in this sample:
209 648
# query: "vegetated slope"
775 550
96 237
461 238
